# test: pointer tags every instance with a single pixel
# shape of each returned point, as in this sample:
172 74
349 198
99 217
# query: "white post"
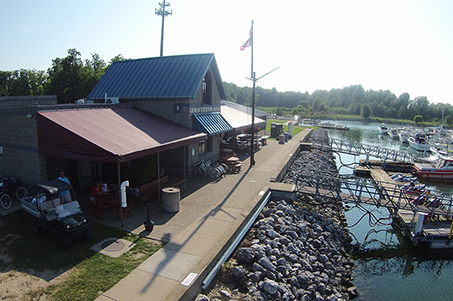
421 219
123 193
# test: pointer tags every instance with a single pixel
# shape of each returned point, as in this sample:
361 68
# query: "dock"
436 225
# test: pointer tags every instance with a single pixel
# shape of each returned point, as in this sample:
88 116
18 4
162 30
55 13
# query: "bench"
263 140
236 168
150 190
97 209
126 211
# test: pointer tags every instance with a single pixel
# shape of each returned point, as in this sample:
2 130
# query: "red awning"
109 135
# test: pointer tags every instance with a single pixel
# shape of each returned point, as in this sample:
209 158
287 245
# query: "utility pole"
162 12
252 148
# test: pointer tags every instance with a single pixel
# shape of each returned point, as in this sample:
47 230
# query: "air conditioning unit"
112 100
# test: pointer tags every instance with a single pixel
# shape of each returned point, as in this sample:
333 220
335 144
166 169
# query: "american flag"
248 43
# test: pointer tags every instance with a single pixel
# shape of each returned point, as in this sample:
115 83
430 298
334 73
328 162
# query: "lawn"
296 128
91 272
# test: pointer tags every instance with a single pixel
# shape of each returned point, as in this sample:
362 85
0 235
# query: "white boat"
419 142
393 132
404 136
383 129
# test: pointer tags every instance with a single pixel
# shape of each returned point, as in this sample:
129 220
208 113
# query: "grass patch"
91 272
296 128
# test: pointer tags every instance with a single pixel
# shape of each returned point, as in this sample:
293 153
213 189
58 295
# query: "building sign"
195 110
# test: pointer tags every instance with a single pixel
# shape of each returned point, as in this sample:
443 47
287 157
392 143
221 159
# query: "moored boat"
419 142
403 135
442 169
393 132
383 129
327 125
341 127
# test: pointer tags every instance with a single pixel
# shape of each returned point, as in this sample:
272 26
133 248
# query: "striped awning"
211 123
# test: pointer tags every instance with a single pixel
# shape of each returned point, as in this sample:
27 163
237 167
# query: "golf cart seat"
68 209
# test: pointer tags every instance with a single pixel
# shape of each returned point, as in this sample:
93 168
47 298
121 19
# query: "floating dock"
363 169
434 229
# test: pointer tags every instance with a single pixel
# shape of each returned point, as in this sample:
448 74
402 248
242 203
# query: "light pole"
252 145
162 12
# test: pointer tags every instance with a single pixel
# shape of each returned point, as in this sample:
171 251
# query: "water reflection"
387 265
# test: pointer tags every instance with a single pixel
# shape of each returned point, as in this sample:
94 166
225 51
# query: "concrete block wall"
19 138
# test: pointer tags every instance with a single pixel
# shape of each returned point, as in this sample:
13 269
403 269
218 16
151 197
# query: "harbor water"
387 265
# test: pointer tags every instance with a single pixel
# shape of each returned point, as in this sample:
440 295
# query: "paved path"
210 214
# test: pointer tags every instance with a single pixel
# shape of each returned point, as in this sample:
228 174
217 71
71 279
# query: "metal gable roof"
157 78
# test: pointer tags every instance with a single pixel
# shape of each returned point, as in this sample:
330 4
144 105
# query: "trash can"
281 139
286 137
276 129
170 199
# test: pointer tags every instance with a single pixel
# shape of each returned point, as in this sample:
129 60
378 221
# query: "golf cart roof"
55 186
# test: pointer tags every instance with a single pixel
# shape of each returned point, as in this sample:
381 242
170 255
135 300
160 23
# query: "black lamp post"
252 145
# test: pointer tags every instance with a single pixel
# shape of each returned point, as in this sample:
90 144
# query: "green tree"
20 83
91 73
317 105
418 119
117 58
64 77
365 112
449 120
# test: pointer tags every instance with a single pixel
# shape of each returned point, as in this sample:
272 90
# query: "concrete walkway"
210 215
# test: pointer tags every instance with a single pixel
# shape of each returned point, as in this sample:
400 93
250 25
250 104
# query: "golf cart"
64 220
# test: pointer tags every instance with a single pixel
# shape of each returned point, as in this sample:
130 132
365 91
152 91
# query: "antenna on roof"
162 12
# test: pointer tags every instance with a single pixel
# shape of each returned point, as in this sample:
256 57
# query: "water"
388 267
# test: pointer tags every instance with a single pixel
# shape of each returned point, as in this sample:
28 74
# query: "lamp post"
252 143
162 12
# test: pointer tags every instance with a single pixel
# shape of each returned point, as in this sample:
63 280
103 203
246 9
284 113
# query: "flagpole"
249 43
251 48
252 140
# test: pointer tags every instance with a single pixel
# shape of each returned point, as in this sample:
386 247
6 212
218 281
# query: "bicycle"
202 168
217 172
5 198
9 188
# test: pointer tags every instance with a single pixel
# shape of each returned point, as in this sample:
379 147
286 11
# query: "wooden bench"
126 211
263 140
97 209
236 168
151 189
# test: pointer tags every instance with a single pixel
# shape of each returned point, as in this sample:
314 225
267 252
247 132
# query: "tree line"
352 100
71 78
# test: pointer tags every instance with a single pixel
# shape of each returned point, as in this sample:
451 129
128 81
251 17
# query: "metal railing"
368 150
358 190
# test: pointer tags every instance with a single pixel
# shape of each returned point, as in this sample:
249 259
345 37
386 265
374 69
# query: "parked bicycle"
217 172
202 168
11 188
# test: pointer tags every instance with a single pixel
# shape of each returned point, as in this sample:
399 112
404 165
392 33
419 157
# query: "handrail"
369 150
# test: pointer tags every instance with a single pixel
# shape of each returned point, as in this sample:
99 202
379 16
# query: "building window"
202 147
206 145
207 88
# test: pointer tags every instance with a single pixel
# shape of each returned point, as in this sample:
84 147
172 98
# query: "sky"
396 45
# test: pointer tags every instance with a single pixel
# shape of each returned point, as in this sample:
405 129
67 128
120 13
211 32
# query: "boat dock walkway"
381 190
368 150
